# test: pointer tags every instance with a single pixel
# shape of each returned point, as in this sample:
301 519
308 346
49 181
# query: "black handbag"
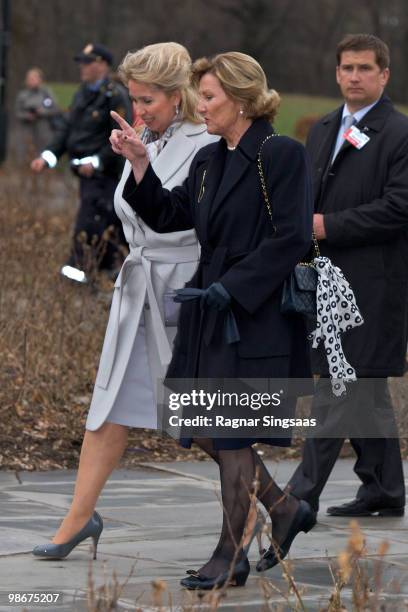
299 288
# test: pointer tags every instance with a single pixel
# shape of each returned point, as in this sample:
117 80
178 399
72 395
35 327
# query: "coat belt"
144 256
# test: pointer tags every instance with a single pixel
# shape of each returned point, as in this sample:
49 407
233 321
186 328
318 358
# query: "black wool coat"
364 198
240 250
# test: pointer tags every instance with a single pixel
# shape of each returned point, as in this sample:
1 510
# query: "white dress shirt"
357 116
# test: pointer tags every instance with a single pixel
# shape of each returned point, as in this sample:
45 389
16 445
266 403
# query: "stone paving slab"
163 519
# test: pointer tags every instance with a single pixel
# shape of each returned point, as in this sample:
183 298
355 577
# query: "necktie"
346 123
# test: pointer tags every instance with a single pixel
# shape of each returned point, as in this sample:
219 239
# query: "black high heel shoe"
304 520
256 533
237 578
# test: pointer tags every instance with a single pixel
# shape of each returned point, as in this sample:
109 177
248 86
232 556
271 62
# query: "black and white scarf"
155 142
337 312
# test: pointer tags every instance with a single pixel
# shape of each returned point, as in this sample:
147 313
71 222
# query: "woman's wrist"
139 167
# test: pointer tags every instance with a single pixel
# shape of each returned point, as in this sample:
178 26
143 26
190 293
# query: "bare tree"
294 40
261 23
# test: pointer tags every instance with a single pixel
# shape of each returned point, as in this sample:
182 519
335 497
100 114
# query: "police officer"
84 136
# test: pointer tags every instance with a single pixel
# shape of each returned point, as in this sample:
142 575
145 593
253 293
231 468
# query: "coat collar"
178 149
251 141
246 152
192 129
374 121
377 116
218 186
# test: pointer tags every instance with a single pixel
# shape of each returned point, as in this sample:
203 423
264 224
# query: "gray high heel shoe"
92 529
256 533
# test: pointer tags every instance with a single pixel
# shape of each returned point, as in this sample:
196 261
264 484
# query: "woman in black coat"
244 262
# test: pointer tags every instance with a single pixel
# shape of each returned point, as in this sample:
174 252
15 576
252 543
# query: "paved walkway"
165 517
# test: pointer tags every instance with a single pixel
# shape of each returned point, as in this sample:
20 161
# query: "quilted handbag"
299 289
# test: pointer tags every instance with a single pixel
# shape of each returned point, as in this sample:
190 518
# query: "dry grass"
51 331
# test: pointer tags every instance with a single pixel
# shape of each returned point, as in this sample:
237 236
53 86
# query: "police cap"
94 52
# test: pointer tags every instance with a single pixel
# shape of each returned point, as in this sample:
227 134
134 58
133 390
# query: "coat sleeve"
58 145
20 107
379 220
163 210
254 279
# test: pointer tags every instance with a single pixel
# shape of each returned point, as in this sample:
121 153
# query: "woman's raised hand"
127 143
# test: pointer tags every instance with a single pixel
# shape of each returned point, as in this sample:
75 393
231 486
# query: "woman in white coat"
143 317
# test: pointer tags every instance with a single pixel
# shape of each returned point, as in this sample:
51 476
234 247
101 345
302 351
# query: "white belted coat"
142 322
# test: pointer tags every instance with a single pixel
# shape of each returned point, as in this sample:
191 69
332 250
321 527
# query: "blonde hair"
242 79
37 70
166 66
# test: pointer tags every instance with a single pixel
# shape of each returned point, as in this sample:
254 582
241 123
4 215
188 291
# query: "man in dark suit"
359 156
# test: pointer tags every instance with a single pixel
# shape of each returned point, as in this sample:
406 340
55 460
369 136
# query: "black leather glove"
217 297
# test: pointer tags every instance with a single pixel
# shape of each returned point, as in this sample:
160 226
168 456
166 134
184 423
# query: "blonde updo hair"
166 66
243 80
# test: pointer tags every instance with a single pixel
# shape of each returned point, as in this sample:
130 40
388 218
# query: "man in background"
84 136
359 156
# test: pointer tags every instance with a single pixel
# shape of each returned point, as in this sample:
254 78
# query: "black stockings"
280 507
237 475
239 469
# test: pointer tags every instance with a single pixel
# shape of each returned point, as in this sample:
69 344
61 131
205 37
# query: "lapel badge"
356 137
95 114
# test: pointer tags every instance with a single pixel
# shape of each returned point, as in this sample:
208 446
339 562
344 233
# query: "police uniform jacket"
88 125
364 198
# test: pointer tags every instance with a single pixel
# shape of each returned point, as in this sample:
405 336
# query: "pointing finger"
123 124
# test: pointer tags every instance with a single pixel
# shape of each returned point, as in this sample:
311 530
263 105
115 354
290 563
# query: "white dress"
143 317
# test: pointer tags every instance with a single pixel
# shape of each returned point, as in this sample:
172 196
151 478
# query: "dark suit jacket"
364 197
239 249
